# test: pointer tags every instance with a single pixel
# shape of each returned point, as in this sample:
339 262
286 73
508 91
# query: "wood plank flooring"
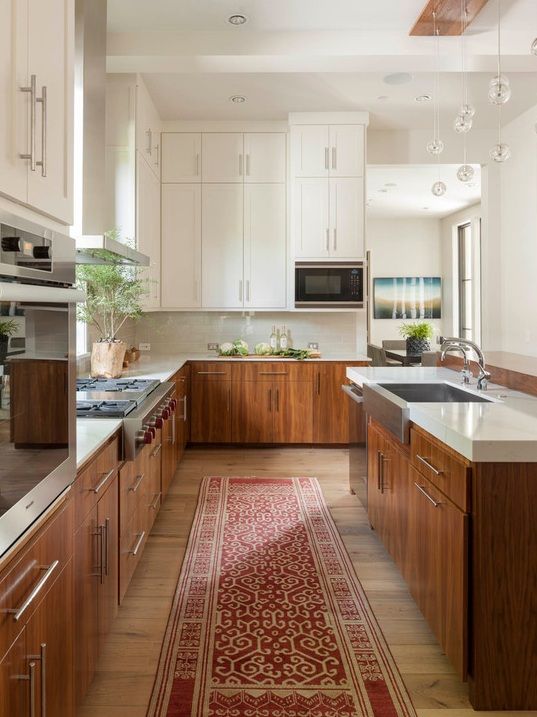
123 683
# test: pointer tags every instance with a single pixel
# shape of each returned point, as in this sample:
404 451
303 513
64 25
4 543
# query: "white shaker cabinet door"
347 218
148 228
181 246
264 157
222 157
181 157
265 246
14 104
222 246
311 218
51 58
347 150
310 150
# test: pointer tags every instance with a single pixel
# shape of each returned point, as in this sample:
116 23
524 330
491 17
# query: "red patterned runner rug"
269 618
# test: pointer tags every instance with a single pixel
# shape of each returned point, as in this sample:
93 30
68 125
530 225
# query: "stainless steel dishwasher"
357 442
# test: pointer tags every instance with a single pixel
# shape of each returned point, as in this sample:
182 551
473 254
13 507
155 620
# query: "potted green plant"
418 337
7 328
113 295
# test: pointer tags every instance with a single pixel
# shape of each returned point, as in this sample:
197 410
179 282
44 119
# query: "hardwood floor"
126 669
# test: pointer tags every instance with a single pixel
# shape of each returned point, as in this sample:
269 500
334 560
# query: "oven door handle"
10 291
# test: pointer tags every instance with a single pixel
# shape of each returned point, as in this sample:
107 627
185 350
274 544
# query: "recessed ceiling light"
423 98
237 19
237 99
398 78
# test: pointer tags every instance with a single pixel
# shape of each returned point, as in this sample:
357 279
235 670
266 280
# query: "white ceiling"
405 191
300 55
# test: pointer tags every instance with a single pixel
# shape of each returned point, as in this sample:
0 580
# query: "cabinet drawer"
134 481
447 471
27 581
272 371
131 547
211 371
91 483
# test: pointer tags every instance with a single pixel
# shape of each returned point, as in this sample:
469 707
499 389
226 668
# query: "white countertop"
504 431
93 433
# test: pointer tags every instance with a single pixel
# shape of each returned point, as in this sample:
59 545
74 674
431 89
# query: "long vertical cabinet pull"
43 101
32 91
106 546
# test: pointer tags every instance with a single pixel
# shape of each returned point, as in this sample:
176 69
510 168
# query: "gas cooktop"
104 409
116 385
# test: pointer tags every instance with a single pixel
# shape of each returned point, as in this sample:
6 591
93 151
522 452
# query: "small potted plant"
7 328
113 295
418 337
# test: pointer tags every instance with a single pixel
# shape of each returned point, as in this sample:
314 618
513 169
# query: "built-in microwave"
322 285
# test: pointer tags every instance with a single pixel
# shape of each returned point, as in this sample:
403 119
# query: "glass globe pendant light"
501 151
462 125
499 87
439 188
465 173
464 119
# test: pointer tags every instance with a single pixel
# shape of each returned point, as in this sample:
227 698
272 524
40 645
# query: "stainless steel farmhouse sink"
389 403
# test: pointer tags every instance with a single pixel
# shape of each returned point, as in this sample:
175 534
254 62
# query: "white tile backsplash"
190 332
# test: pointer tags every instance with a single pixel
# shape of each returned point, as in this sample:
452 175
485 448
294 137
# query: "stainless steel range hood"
93 245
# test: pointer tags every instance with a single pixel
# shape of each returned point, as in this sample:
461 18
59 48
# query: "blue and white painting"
407 297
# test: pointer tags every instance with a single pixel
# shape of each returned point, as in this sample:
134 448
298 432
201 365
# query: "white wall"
517 283
402 247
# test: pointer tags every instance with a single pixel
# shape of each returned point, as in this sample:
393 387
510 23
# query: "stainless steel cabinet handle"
273 373
326 155
429 497
106 476
383 461
139 479
173 429
184 415
42 657
106 546
155 453
43 101
335 239
32 91
429 465
140 540
155 502
211 373
334 158
19 612
327 239
100 533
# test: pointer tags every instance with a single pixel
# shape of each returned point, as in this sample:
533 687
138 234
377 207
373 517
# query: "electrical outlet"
313 345
213 347
144 347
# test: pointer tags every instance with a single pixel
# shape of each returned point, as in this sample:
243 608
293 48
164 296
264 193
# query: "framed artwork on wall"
407 297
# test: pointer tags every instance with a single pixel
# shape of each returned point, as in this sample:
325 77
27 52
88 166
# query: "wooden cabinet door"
51 35
222 157
265 157
347 218
181 246
330 404
347 150
253 404
108 527
438 544
265 254
50 644
293 412
211 411
181 157
222 246
310 150
311 218
148 228
14 679
375 445
169 438
87 578
14 105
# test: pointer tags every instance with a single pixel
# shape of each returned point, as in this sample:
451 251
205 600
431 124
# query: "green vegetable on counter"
298 354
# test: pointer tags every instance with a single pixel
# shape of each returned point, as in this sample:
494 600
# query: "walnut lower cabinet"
210 388
36 649
330 405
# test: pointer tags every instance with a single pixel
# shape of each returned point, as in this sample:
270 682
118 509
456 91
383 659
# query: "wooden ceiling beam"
448 17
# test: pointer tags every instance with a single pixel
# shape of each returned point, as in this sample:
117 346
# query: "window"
81 338
466 327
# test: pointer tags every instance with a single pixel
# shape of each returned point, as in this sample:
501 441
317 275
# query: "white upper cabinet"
222 157
36 108
181 246
181 157
347 149
148 127
311 218
265 246
148 228
222 246
346 218
265 157
310 150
